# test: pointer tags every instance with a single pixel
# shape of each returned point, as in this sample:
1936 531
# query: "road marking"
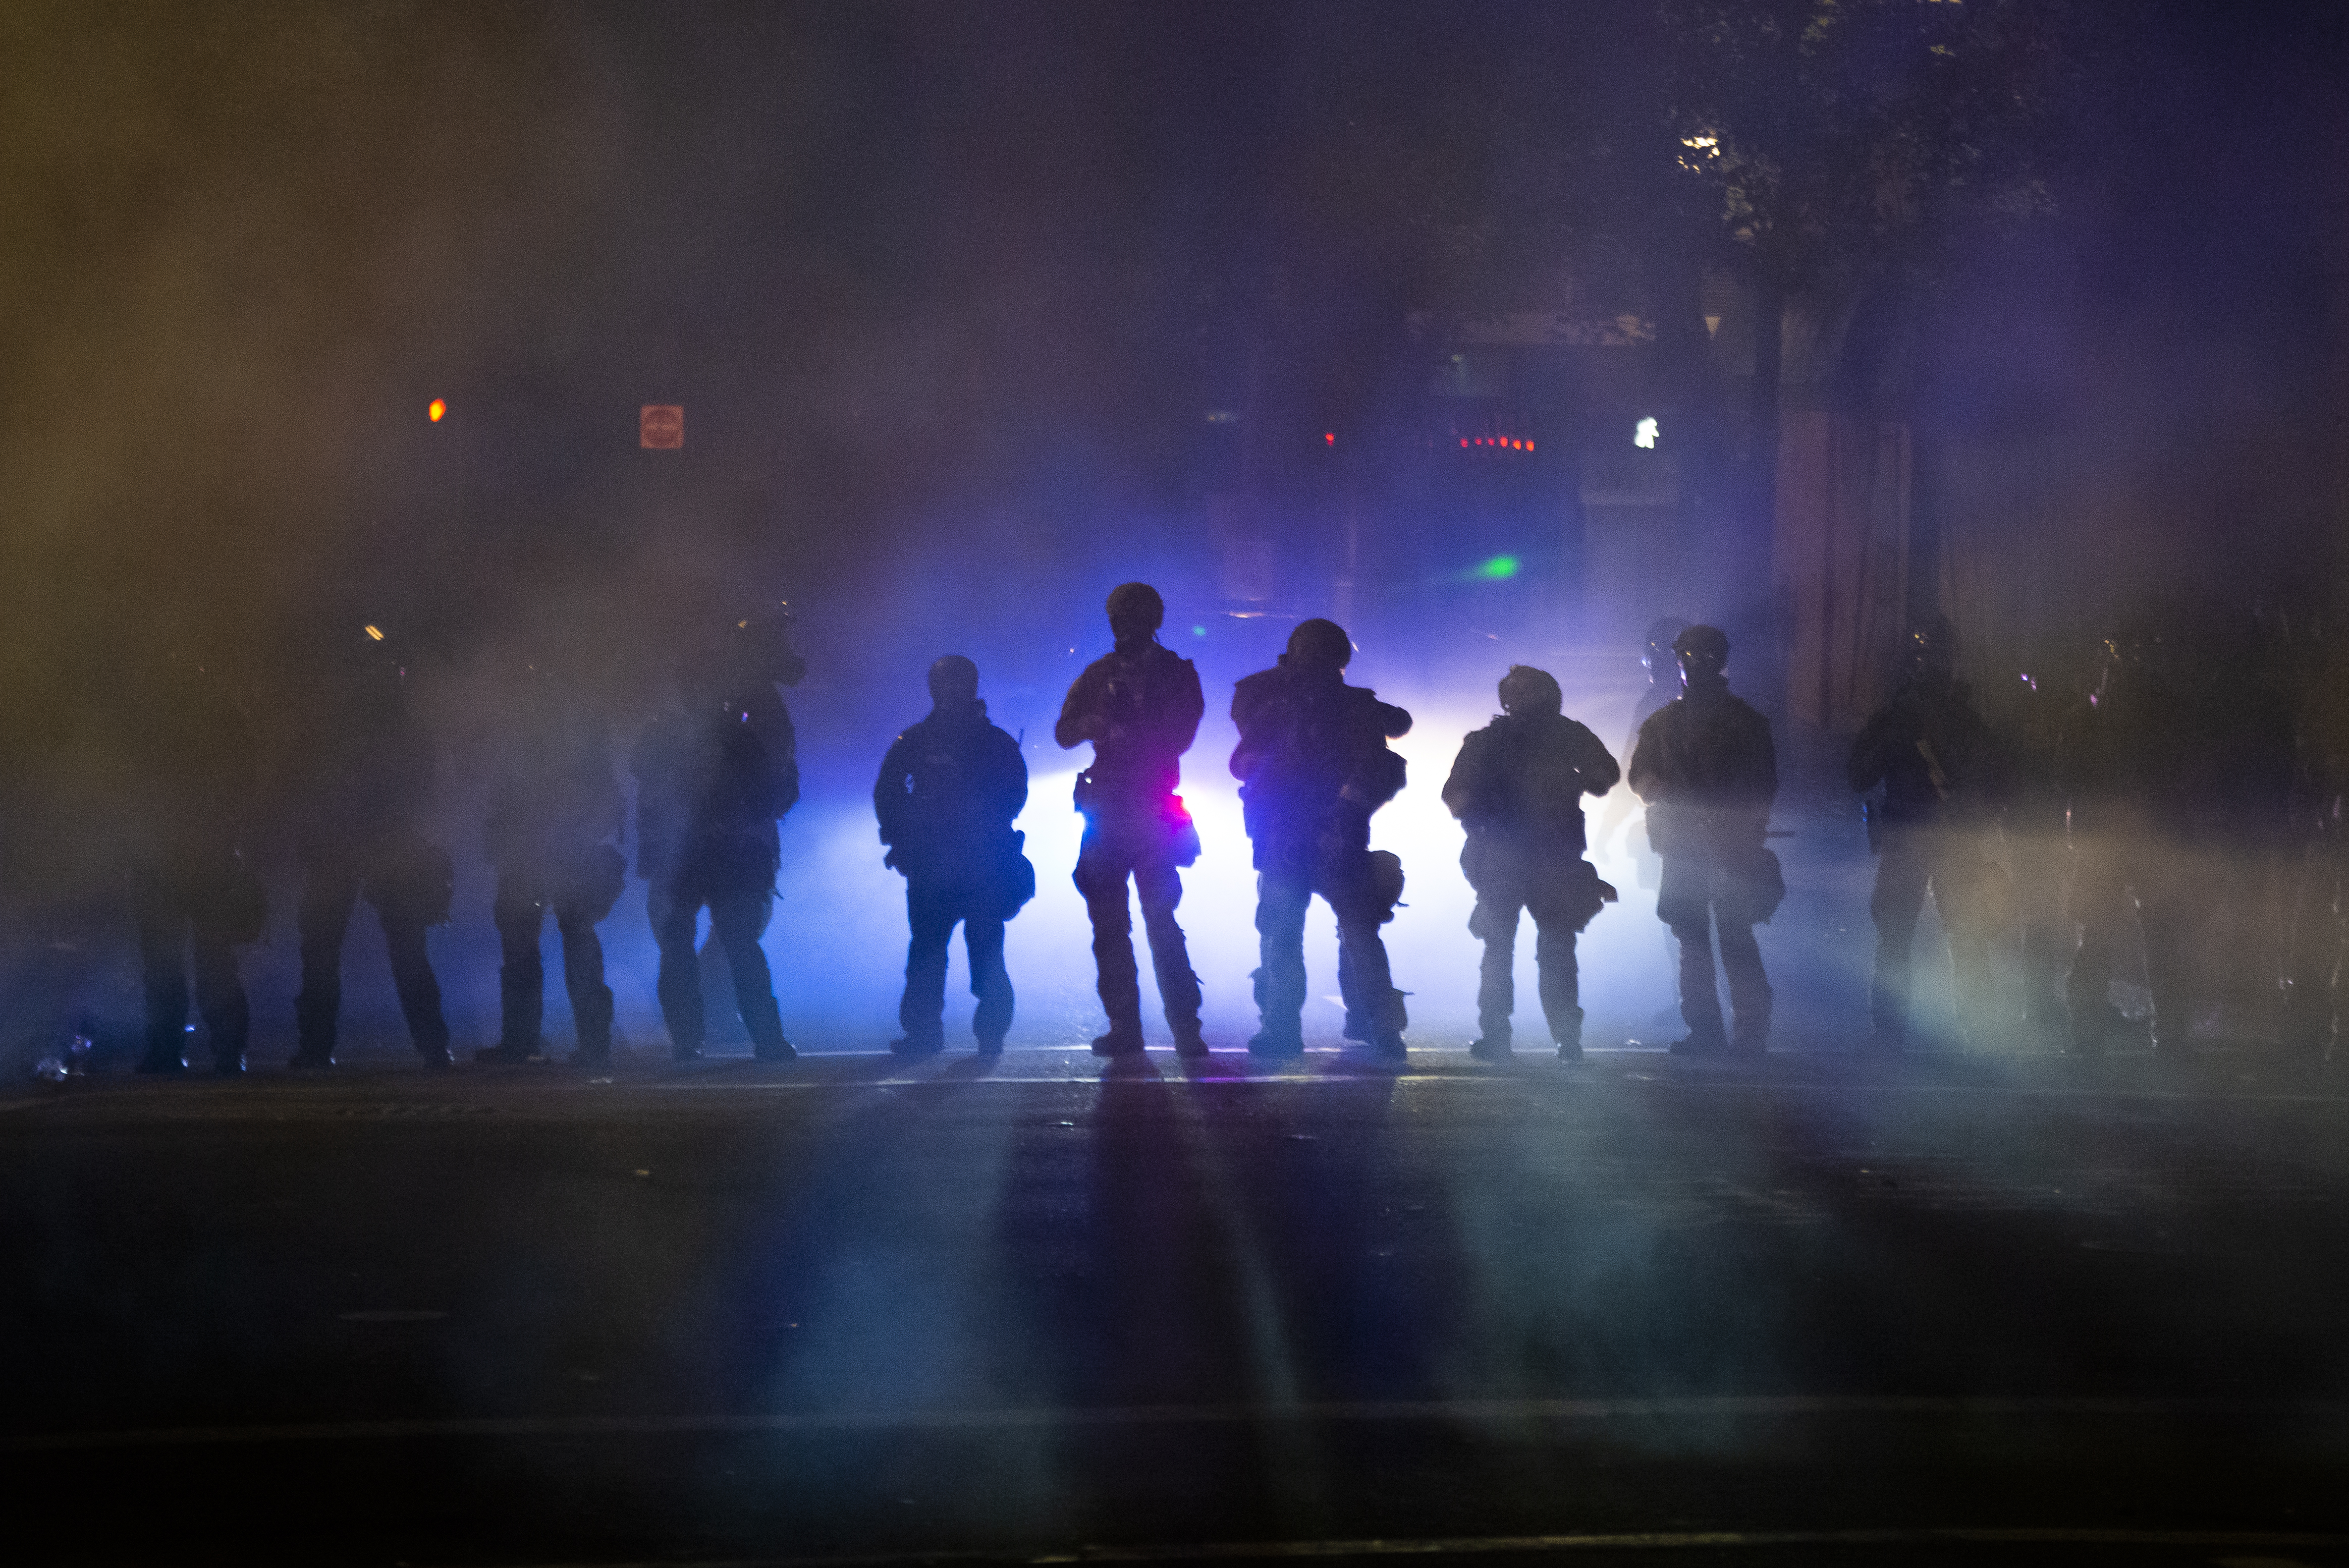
1431 1067
1411 1076
1692 1540
1768 1407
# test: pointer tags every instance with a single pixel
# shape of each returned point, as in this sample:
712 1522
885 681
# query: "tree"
1837 147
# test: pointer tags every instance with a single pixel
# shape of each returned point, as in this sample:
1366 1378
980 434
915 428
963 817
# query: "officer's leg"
1158 886
990 981
583 981
322 917
162 923
1494 922
2038 859
1749 986
1373 1006
1282 896
921 1010
2098 895
1964 881
674 912
220 994
411 976
1685 903
2314 963
1901 869
521 978
1101 869
1554 931
2167 897
738 920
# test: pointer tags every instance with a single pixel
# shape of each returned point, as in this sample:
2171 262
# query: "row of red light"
1511 442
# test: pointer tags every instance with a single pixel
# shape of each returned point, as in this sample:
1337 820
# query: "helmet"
1525 689
1657 657
1320 643
1701 650
1138 605
758 643
953 679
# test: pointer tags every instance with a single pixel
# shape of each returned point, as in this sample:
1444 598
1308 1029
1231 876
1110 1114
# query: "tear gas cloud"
331 315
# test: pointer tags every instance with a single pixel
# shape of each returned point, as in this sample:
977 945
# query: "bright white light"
1644 434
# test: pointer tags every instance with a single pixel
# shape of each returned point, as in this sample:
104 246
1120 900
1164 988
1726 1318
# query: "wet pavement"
1810 1309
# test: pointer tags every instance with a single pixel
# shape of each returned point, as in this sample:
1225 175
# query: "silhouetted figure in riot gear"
1705 766
715 773
2320 909
189 756
2179 775
1662 664
1517 787
555 808
1140 705
2250 675
1939 770
1662 667
369 766
2029 709
2123 762
1313 765
949 790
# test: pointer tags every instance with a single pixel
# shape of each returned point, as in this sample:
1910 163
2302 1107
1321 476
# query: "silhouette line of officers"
2189 775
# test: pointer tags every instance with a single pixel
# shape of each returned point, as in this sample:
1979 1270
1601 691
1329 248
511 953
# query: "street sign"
660 427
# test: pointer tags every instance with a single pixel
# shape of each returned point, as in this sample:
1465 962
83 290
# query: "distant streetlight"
1644 434
435 410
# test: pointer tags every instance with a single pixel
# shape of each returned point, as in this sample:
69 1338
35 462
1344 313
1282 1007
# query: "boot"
1122 1040
1565 1032
1273 1043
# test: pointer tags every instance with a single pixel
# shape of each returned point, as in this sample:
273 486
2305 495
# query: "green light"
1499 569
1198 631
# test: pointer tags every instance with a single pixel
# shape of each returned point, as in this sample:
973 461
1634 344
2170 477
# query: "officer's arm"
1460 785
1076 723
1870 753
1646 757
1189 708
1596 765
889 791
1248 707
1011 773
1394 723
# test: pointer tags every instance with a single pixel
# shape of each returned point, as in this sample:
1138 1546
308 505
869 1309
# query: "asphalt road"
1809 1309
